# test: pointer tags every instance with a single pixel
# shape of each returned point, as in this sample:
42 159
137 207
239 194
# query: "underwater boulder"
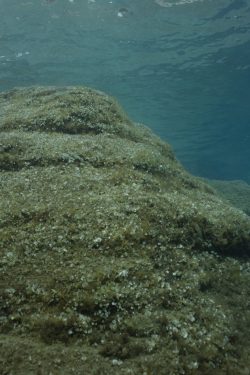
113 257
236 192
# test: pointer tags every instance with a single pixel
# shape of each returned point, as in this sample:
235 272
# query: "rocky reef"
114 260
236 192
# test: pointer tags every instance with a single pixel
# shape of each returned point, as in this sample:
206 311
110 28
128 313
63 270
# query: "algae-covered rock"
237 192
114 260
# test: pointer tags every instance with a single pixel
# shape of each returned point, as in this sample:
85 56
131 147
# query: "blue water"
183 70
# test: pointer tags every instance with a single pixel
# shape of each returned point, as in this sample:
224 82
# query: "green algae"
236 192
114 260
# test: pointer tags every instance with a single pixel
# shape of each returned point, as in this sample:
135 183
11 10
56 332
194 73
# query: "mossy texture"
114 260
236 192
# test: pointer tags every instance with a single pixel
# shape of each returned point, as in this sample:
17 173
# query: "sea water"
182 67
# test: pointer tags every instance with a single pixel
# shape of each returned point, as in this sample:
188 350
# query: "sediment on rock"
111 253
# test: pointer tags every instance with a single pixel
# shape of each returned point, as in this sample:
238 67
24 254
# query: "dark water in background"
183 70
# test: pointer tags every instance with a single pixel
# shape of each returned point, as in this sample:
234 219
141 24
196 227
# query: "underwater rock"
114 259
236 192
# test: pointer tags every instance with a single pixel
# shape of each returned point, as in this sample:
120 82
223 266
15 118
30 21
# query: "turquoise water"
181 68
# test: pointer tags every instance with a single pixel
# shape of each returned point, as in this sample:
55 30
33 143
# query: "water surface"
182 68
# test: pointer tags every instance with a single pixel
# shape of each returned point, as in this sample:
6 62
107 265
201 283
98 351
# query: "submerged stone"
114 259
236 192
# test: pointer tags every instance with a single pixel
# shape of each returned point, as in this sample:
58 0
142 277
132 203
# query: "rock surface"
114 260
236 192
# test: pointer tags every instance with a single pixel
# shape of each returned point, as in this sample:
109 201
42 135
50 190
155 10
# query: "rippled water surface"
180 66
